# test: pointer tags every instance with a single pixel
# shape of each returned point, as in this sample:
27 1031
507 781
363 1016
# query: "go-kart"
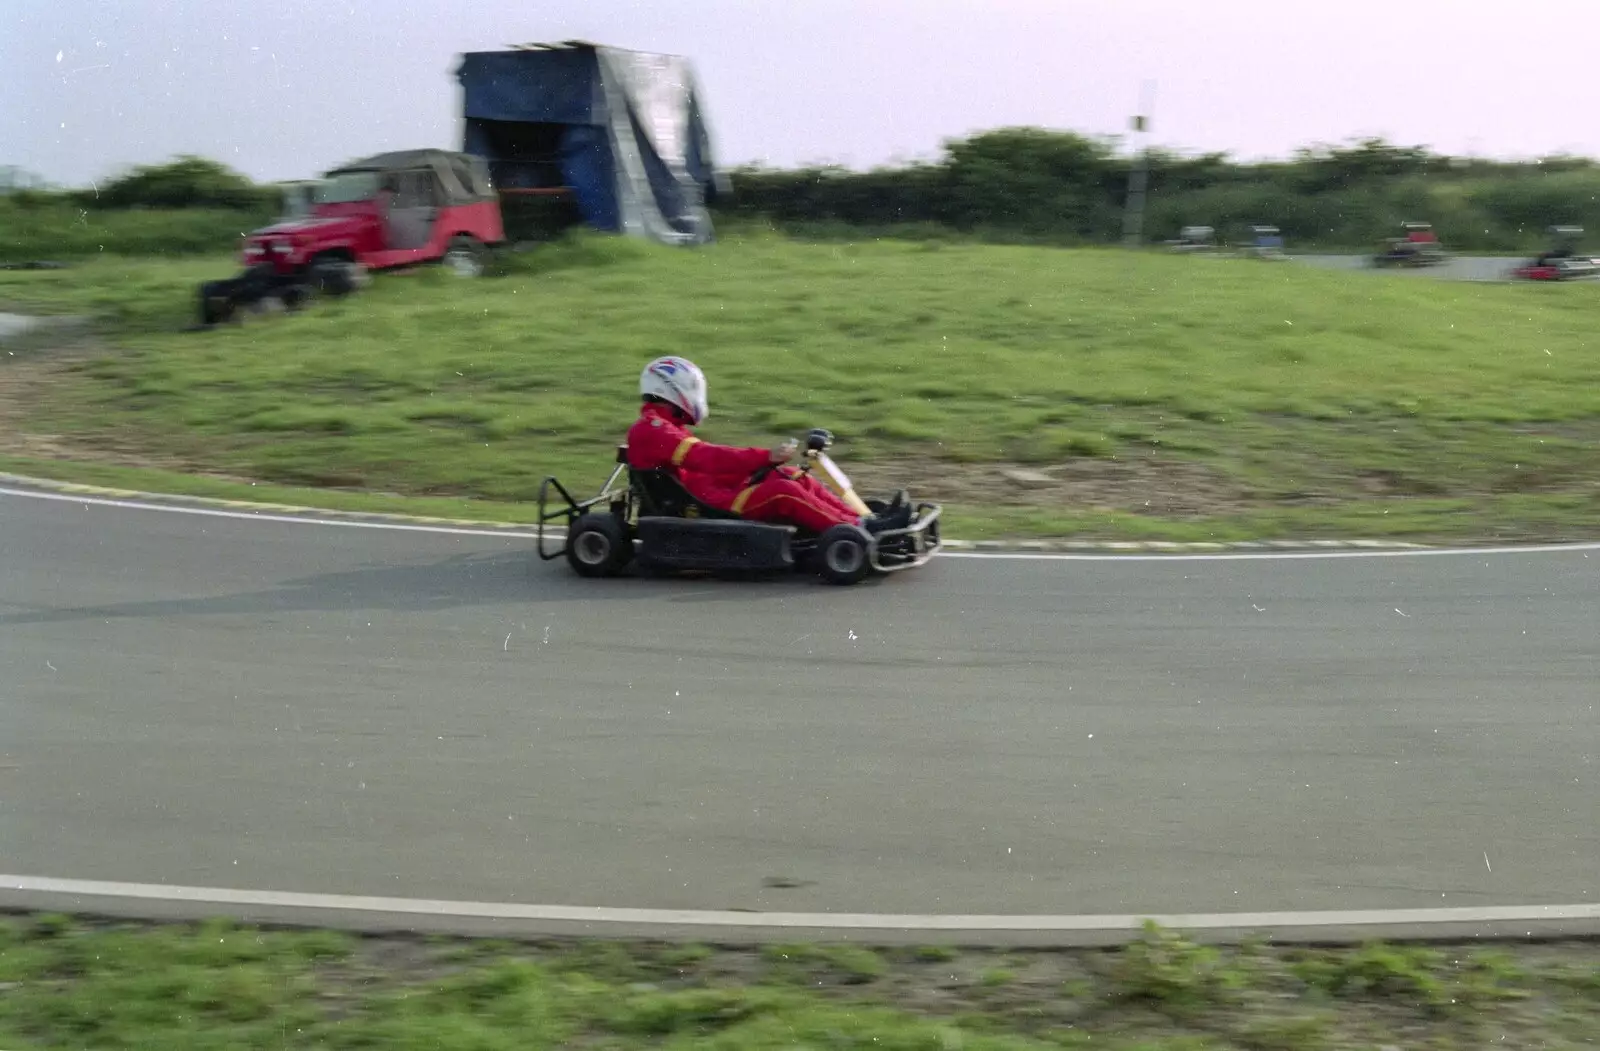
1569 268
1194 239
1418 248
1403 253
1561 261
651 521
1267 244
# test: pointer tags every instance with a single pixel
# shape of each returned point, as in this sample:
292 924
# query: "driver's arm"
692 454
661 444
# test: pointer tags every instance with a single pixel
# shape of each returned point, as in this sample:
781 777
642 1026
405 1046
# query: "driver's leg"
895 514
781 499
820 492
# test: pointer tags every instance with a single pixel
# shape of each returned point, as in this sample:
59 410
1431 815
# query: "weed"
1308 1033
685 955
210 986
694 1010
934 953
812 964
1585 979
1415 975
1171 973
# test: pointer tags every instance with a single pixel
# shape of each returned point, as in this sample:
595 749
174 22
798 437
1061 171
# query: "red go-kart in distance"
1562 261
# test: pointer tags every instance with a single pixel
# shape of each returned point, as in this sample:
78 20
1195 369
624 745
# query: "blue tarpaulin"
622 130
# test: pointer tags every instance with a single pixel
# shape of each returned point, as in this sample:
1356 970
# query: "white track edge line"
313 517
1270 556
818 920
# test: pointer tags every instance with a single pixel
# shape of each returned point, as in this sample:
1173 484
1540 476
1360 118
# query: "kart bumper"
569 511
908 548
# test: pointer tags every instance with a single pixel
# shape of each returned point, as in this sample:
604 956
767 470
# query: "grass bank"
59 230
71 984
1144 396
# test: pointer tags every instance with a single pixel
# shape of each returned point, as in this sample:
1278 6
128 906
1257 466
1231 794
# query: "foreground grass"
1172 398
65 984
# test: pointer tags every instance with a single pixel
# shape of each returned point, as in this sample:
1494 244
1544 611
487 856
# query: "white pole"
1139 175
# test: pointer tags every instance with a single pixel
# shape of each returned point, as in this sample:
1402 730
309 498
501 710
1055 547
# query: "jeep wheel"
465 257
336 277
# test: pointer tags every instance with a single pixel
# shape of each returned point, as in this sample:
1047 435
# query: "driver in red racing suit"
720 476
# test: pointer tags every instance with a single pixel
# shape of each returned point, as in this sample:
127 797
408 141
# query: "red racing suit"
719 475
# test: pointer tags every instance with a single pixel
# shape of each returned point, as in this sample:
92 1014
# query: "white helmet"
676 381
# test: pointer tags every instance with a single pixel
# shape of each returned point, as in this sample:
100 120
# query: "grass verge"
1505 519
68 983
1144 396
58 230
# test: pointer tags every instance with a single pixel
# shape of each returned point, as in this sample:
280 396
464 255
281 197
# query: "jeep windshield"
347 187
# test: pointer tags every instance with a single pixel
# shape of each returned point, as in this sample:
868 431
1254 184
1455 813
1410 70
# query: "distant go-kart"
1562 261
1565 269
1418 248
1194 239
1266 243
653 522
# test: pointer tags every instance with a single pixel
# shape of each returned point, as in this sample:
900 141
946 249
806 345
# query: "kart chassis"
660 526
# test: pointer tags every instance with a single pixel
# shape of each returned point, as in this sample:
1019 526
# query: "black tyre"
466 256
842 555
597 546
335 277
216 305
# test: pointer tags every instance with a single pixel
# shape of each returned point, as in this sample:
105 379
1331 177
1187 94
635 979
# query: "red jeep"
395 209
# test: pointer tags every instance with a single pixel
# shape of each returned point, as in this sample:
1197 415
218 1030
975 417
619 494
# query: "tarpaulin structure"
621 131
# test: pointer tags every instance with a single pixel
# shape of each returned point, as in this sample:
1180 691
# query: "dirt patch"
25 379
1144 485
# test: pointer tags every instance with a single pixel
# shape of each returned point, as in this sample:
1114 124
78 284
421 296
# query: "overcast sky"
285 89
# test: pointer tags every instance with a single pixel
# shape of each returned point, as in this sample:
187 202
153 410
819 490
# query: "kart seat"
661 494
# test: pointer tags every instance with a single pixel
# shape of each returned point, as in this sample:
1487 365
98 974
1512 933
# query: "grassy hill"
1150 396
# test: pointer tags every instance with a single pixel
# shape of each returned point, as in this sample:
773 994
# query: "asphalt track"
1456 268
216 702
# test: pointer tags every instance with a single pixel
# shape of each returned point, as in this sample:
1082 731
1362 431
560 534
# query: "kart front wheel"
597 546
842 555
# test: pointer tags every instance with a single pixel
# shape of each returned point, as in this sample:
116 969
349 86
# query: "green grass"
1306 403
67 983
58 230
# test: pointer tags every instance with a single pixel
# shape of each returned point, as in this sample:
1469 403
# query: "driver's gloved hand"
785 452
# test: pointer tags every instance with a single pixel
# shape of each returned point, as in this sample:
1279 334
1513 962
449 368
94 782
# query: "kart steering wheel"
817 439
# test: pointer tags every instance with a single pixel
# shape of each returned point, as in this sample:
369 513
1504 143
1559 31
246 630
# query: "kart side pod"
706 544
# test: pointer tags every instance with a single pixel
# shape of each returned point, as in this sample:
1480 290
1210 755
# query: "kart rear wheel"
841 556
597 546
